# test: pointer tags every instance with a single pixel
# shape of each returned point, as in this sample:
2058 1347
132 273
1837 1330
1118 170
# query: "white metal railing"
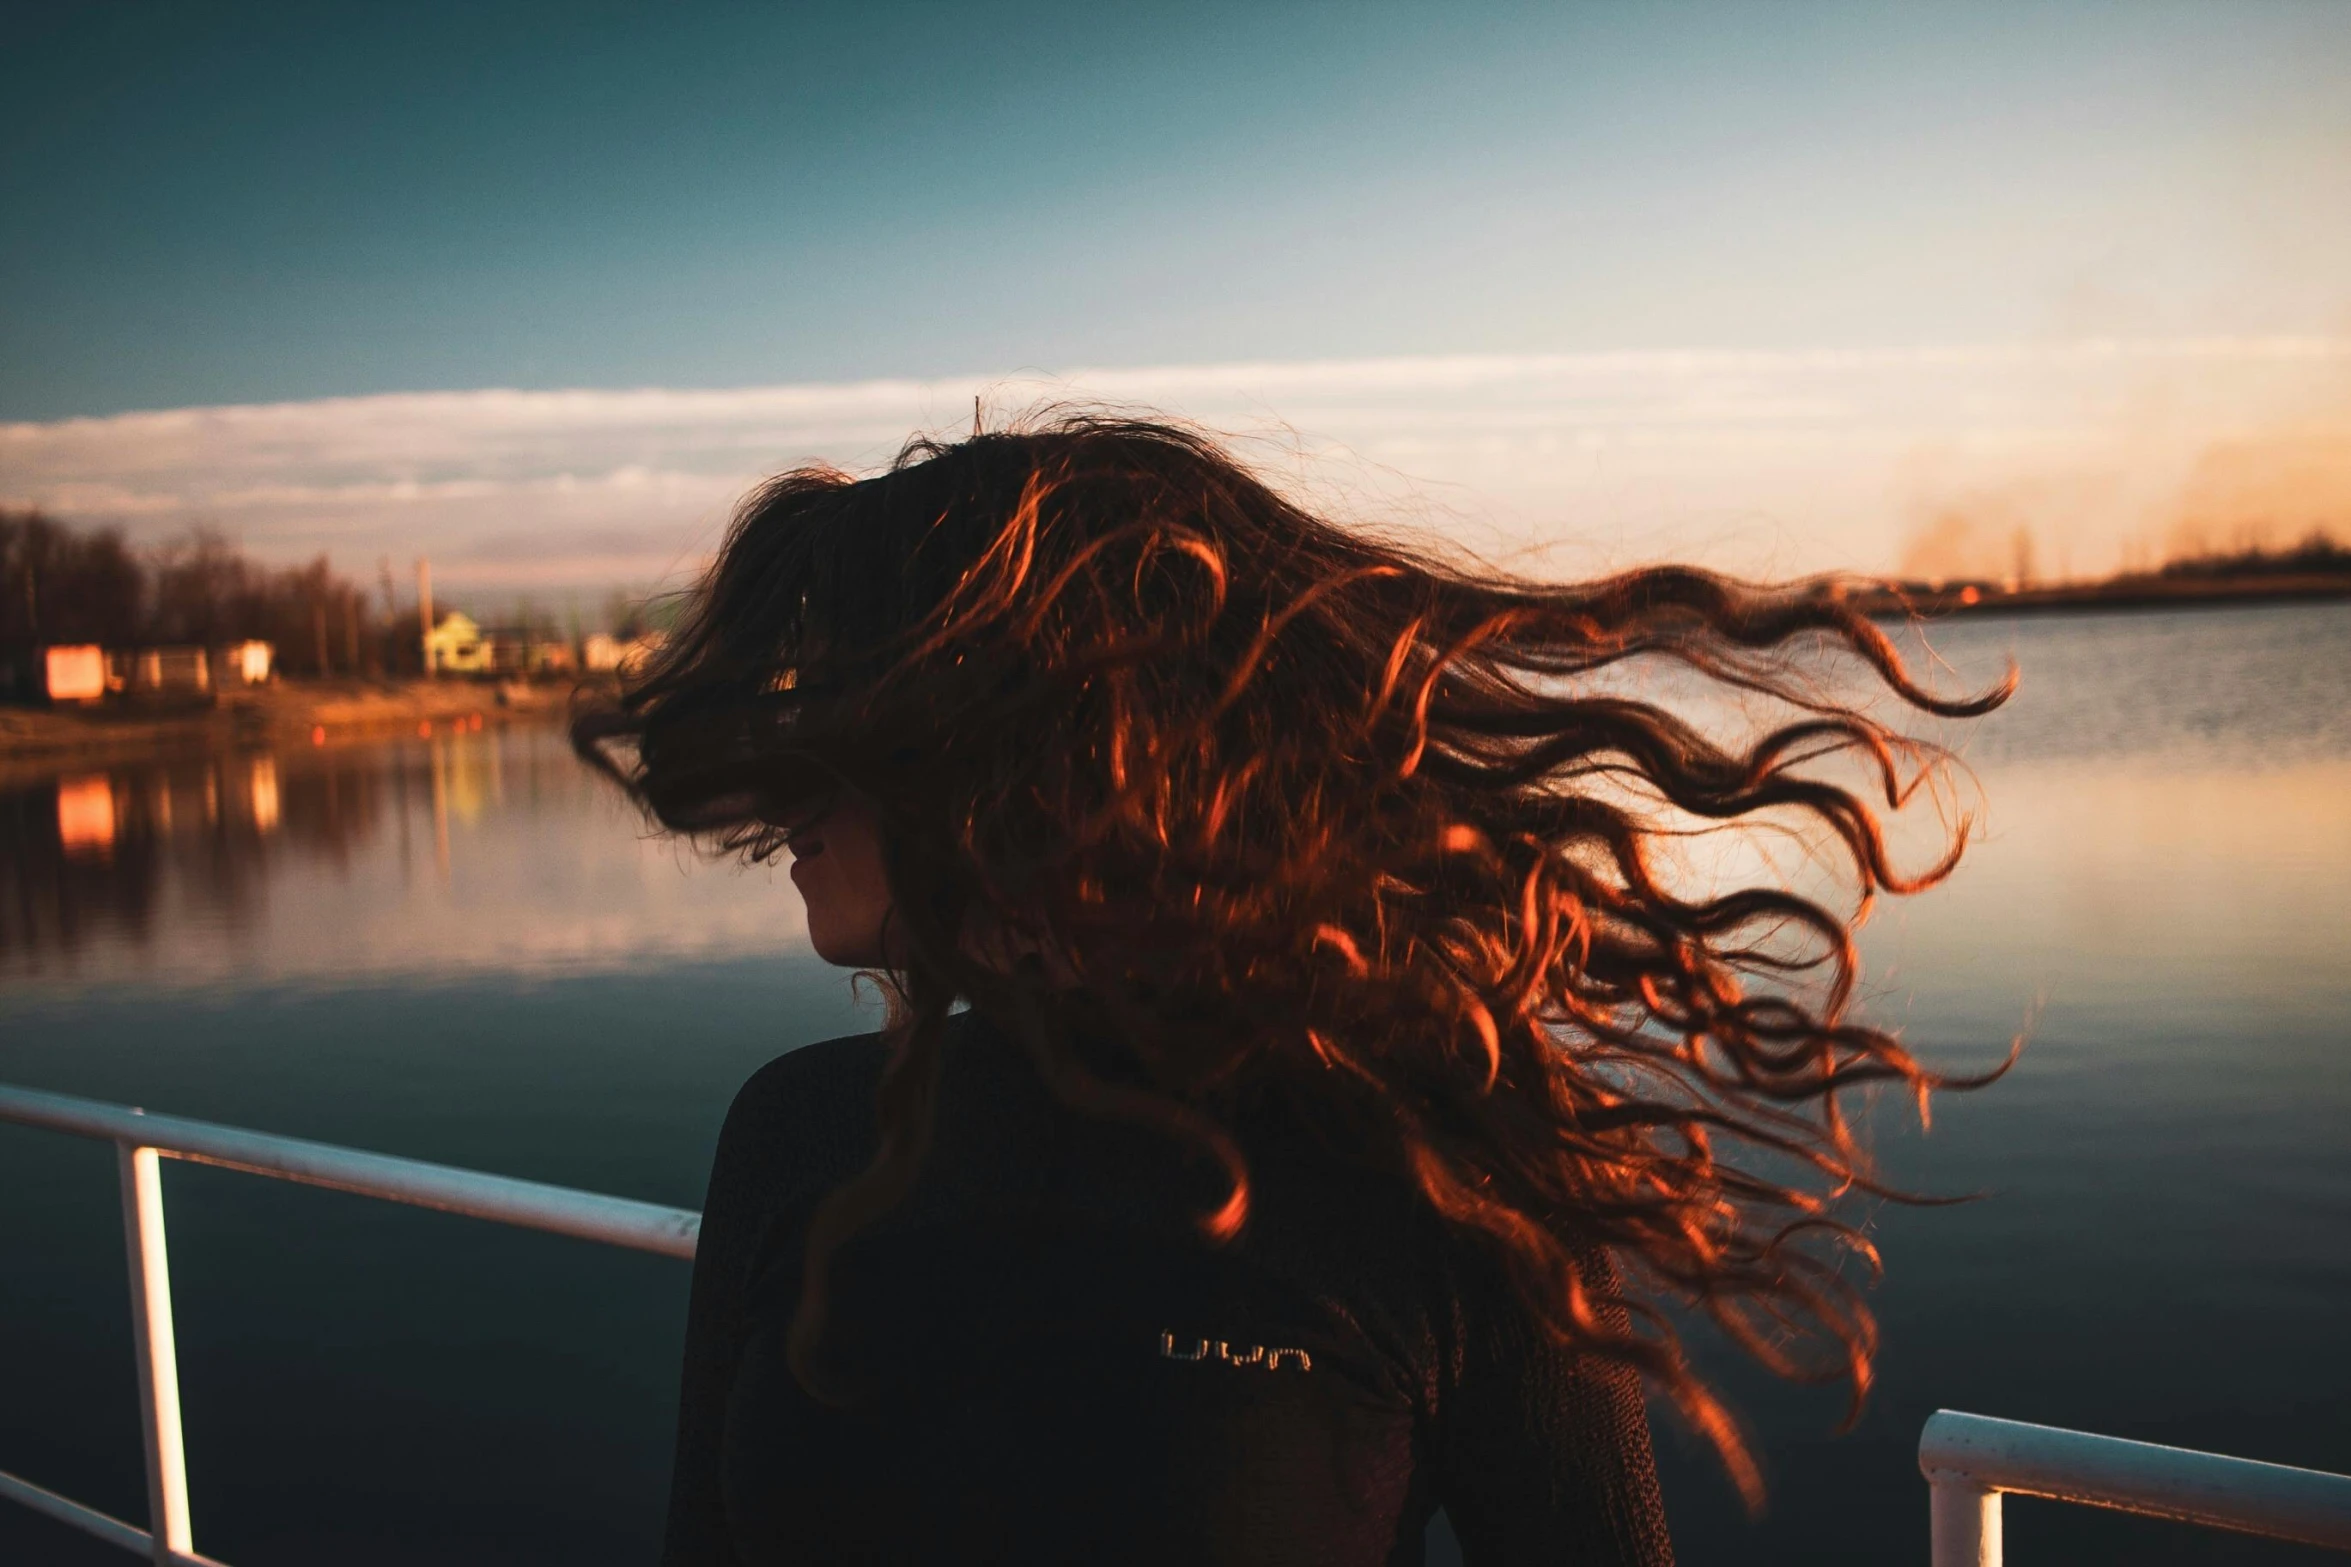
1970 1460
139 1138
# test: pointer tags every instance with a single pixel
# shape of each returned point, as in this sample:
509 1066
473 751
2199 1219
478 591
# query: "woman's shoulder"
807 1117
822 1080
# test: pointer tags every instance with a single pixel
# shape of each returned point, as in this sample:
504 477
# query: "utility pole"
351 631
424 611
318 627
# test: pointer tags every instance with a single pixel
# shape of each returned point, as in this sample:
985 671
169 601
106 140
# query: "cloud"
584 543
1773 462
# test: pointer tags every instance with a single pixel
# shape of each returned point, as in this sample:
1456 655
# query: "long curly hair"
1295 811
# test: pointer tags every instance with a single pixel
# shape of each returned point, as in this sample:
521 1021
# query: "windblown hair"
1299 813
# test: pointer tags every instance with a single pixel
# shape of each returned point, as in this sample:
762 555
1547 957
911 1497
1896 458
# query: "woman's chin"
841 951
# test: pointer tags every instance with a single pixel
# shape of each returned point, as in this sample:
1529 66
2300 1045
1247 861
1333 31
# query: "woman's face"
837 865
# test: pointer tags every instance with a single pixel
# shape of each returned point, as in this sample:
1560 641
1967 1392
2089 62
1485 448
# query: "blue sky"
241 204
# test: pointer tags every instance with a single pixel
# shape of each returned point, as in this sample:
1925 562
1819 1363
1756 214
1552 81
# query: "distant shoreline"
281 714
331 712
2119 593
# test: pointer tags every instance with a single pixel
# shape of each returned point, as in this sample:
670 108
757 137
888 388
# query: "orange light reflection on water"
85 815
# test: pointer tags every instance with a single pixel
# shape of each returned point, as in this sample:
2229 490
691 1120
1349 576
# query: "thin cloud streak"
1762 462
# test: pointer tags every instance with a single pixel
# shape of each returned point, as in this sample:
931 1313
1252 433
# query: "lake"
465 949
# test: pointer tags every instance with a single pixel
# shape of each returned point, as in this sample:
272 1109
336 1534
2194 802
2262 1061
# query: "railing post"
159 1361
1966 1523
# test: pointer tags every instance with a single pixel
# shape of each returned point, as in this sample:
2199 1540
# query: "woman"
1306 1085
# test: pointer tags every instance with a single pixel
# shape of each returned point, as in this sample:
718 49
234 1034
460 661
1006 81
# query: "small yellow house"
456 646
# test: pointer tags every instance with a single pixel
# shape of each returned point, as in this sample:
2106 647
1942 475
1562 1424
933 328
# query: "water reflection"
493 849
2223 691
462 851
87 856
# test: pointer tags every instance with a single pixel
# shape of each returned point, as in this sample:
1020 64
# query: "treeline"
2316 556
59 584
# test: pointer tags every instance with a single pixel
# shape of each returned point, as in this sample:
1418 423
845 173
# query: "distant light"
85 814
264 793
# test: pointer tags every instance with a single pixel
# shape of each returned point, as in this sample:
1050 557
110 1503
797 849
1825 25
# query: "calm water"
463 950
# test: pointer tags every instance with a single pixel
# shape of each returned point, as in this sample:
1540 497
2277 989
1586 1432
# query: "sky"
1786 287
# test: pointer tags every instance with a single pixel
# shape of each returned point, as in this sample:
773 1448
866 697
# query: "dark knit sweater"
1035 1358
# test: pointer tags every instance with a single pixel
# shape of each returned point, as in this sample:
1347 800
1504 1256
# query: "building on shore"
456 646
84 673
459 645
248 663
603 653
75 673
164 672
515 652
